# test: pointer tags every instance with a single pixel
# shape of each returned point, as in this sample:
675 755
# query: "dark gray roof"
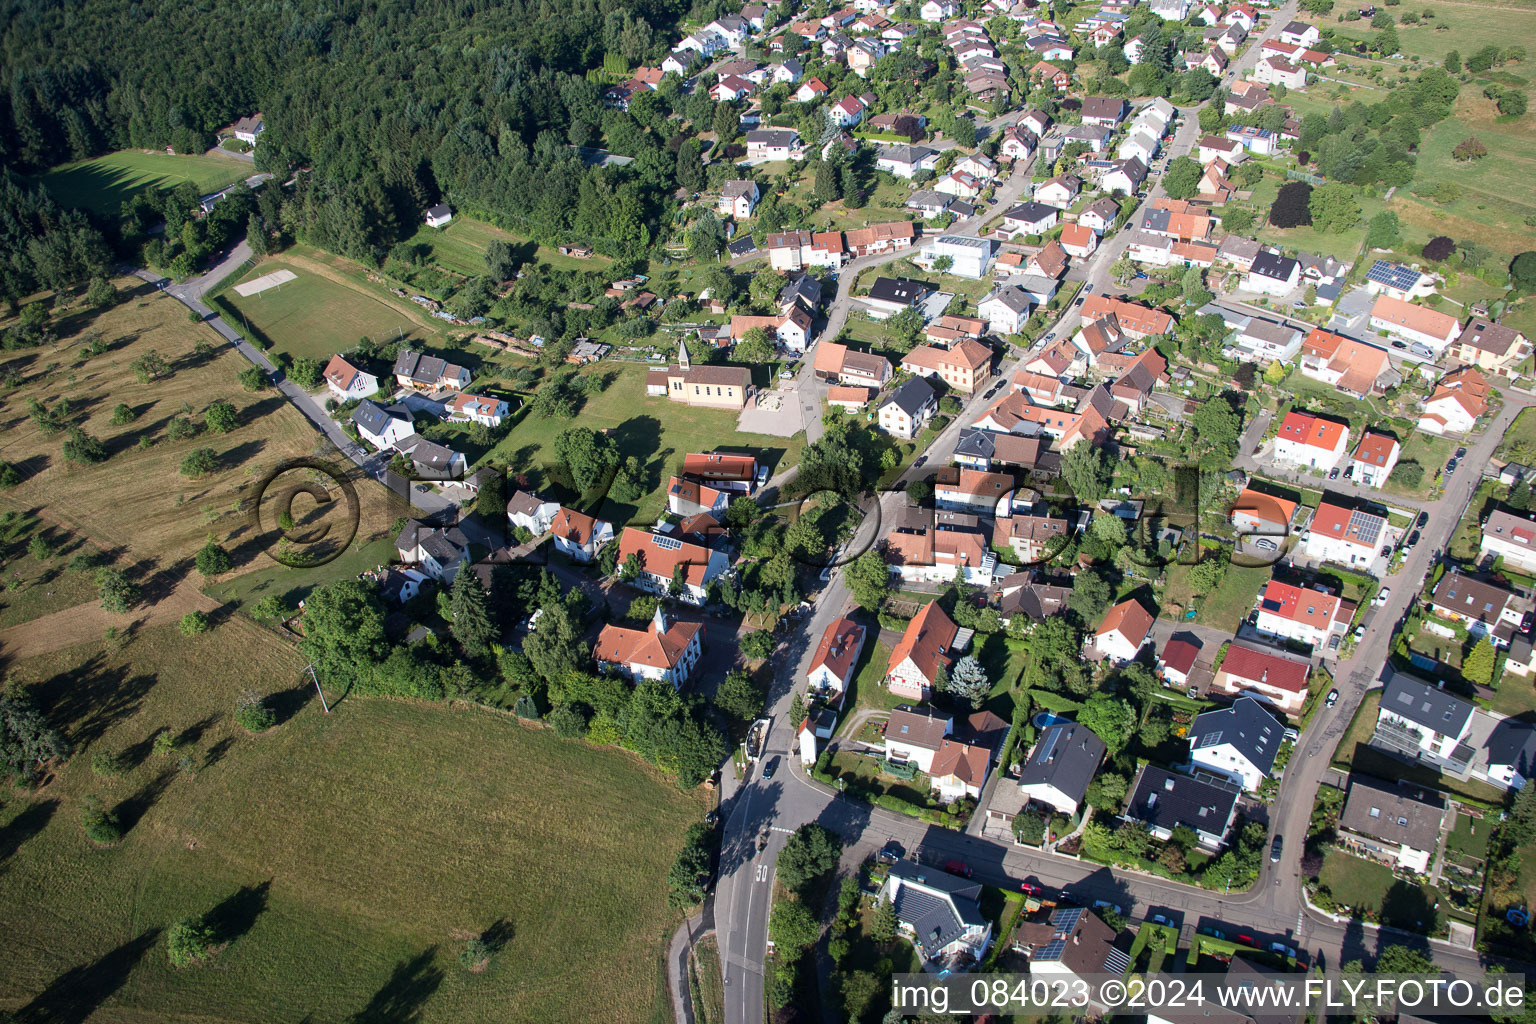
940 914
440 210
433 461
1513 743
1034 601
1156 219
1032 212
1134 169
911 396
374 420
803 287
1393 811
904 154
899 290
1168 799
1425 705
927 198
1247 725
976 444
1273 265
1066 756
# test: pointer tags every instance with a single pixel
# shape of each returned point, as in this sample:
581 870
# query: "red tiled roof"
1129 619
1312 431
1266 668
1180 655
926 640
839 645
620 645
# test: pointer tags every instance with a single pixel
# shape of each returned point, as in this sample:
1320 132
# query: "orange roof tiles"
926 641
1312 431
1129 619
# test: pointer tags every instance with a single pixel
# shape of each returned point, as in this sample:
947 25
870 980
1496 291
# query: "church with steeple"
712 385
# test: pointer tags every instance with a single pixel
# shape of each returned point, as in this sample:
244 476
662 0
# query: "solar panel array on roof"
1365 526
1393 275
670 543
1052 950
1066 919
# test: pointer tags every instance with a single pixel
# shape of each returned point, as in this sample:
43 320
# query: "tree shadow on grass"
87 701
237 914
497 935
131 810
402 997
191 734
79 992
287 703
24 826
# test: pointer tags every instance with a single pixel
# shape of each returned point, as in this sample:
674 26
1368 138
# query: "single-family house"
1238 742
906 161
664 650
1308 440
1346 536
1428 327
770 144
1272 274
1373 459
920 654
1029 218
1398 823
1178 660
1458 400
1511 537
346 382
578 536
383 426
1264 674
1078 240
1308 615
1006 309
1491 346
738 199
531 512
939 913
436 551
964 366
1058 768
428 373
1164 800
486 411
1485 609
664 558
1419 722
831 671
439 215
1123 632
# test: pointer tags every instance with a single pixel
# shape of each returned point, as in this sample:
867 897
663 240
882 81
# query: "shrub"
199 462
123 414
212 560
99 824
8 475
193 624
179 428
252 378
108 763
188 941
165 743
221 417
1438 248
475 955
253 715
568 722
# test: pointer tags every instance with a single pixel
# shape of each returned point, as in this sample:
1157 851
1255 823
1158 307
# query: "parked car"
1413 538
1030 889
1215 933
1333 474
1162 919
1333 642
1274 850
1359 633
890 853
1450 467
786 375
1461 453
1332 698
1049 336
1106 905
1079 301
1381 597
1423 519
958 867
1283 949
768 768
919 461
1399 344
1265 544
1244 940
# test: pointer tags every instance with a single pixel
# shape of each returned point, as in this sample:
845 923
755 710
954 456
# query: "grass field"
460 248
102 185
658 431
345 868
1364 884
317 315
137 503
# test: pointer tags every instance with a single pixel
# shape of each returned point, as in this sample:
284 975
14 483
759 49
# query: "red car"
958 867
1030 889
1245 940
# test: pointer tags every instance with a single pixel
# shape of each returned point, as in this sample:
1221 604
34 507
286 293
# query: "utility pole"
323 704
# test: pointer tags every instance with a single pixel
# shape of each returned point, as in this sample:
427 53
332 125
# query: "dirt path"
86 622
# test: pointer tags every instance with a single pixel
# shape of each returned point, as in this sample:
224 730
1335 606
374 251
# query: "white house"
1239 742
468 408
346 382
968 257
1305 614
1263 674
1510 537
1006 309
383 427
915 736
1272 274
1310 441
1276 70
1412 323
1345 536
906 161
1374 459
939 913
1299 33
818 725
1064 759
906 410
774 144
1420 722
738 199
1122 633
437 552
580 537
936 11
664 650
1395 822
664 559
1029 218
531 512
248 129
1060 191
831 671
439 216
920 654
1459 399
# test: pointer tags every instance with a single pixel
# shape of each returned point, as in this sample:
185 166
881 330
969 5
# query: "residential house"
931 547
937 11
383 427
846 112
1299 33
964 366
439 215
939 913
249 129
880 238
1486 610
769 144
1031 538
1459 399
1346 536
1132 390
436 551
889 296
1141 143
1006 309
1164 800
665 558
578 536
1264 341
811 90
1021 593
346 382
1398 822
1257 513
1399 281
1491 346
1019 143
1078 240
819 724
1171 10
968 257
1420 722
831 671
1105 110
428 373
1058 768
1125 178
1308 615
1427 327
1213 147
432 461
1276 70
738 199
958 184
1049 262
835 361
1074 945
907 409
687 496
1272 274
1213 60
906 161
1510 537
1264 674
1014 413
1374 459
1132 319
1354 367
1238 742
1123 632
1059 191
1308 440
1029 218
531 512
665 650
467 408
1511 751
970 490
730 89
1178 660
920 655
1099 216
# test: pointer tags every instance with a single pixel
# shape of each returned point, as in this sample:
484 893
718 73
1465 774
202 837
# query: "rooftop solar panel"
1366 527
1052 950
1395 275
670 543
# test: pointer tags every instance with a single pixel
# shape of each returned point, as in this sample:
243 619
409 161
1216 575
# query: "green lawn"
314 316
460 247
867 691
658 431
1355 754
1470 836
1232 600
1366 885
1344 245
345 868
102 185
1427 450
294 584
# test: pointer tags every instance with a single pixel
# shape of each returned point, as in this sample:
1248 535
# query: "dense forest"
385 107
